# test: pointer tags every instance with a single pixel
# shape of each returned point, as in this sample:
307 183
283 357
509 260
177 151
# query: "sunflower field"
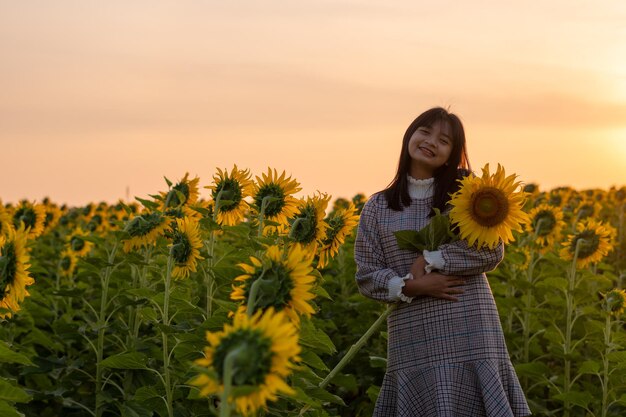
239 299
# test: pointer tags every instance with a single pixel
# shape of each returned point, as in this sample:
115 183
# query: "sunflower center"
335 224
274 290
589 245
77 243
555 200
489 207
231 194
181 249
173 198
586 210
272 208
254 361
49 218
142 225
66 263
544 222
8 267
26 215
95 221
304 227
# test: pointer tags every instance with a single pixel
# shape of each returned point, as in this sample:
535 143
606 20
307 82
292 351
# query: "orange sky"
101 96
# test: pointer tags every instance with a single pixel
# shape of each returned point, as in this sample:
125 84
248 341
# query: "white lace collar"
421 188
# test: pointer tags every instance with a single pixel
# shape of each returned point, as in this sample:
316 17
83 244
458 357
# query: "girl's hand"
418 269
435 285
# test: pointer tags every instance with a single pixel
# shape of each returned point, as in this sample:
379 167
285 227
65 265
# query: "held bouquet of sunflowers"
484 211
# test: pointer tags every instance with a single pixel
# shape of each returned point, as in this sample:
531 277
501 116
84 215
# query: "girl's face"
430 147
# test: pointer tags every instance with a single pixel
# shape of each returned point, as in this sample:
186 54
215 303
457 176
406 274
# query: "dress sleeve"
461 259
373 276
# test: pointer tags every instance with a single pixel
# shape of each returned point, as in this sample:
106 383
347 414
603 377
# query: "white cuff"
395 288
434 260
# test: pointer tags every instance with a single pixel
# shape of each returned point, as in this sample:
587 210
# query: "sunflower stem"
605 362
567 346
229 363
353 351
208 277
357 346
266 200
254 289
101 324
166 323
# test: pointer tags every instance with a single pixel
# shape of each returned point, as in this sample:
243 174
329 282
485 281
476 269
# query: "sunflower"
68 262
546 223
616 301
97 222
266 348
53 215
487 209
588 208
185 247
286 281
308 227
77 244
595 242
183 193
33 216
277 191
340 224
231 189
145 229
5 220
14 276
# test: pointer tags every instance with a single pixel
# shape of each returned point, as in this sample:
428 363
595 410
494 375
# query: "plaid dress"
445 359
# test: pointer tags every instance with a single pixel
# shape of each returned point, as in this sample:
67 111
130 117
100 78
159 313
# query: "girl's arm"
373 277
458 258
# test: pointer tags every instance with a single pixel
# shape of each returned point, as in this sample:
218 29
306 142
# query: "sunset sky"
101 99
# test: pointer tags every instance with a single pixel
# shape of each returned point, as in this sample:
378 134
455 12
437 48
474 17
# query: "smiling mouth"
426 152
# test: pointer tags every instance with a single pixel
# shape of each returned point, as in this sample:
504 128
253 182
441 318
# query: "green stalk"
528 299
229 363
357 346
254 289
605 363
101 323
266 200
208 276
353 350
166 323
567 346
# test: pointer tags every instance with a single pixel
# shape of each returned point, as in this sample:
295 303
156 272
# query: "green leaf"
302 397
9 392
8 356
320 291
581 399
617 356
589 367
372 393
409 240
126 360
347 382
532 369
146 393
313 360
378 362
7 410
554 282
324 395
315 338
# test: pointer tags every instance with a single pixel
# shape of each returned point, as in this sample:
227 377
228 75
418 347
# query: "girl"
446 351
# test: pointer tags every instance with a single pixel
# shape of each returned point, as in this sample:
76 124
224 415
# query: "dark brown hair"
446 176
